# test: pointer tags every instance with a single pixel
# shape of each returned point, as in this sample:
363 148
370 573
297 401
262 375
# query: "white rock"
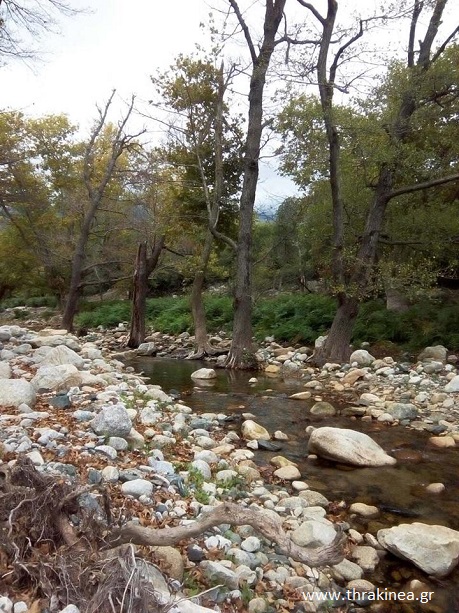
204 373
57 378
349 447
361 357
433 549
62 355
54 341
137 488
288 473
251 431
6 605
251 544
14 392
453 385
113 420
5 370
314 533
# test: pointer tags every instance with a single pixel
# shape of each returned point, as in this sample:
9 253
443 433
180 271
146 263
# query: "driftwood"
59 548
229 513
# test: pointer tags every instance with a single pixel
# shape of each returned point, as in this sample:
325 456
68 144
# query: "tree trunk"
337 347
73 297
143 269
241 353
139 298
203 346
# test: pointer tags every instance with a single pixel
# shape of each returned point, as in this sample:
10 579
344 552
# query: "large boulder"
438 353
62 355
348 447
55 340
14 392
433 549
361 357
251 431
113 420
56 378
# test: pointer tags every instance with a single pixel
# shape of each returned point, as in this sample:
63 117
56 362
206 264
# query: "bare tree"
241 347
22 22
96 189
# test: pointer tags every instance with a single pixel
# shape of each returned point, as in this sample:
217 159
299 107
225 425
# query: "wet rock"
287 473
349 447
364 510
204 373
433 549
301 396
272 369
348 570
435 488
323 408
280 436
268 445
314 499
252 431
280 461
402 411
442 442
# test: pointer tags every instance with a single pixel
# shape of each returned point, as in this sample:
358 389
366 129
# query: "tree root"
58 548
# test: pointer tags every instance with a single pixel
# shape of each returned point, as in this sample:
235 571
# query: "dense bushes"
288 317
295 318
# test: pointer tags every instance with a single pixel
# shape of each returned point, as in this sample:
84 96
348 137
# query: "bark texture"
242 345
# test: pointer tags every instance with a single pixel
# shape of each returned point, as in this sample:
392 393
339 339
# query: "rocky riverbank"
78 413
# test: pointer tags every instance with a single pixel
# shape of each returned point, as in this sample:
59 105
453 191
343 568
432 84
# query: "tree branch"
313 10
409 189
245 29
268 526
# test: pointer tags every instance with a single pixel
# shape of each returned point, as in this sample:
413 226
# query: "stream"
399 491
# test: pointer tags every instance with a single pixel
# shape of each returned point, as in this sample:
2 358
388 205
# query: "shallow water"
399 490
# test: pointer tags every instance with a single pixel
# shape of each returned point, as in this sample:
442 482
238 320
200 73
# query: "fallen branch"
268 526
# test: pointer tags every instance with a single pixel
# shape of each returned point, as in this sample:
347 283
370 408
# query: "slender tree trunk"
202 344
139 298
73 296
241 353
143 269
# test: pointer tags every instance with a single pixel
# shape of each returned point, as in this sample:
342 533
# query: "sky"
114 44
117 44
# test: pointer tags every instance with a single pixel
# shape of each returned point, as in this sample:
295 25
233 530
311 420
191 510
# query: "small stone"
137 488
300 486
257 605
253 431
301 396
107 451
251 544
280 436
435 488
110 474
20 607
442 442
279 461
364 510
323 408
287 473
6 605
118 443
366 557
